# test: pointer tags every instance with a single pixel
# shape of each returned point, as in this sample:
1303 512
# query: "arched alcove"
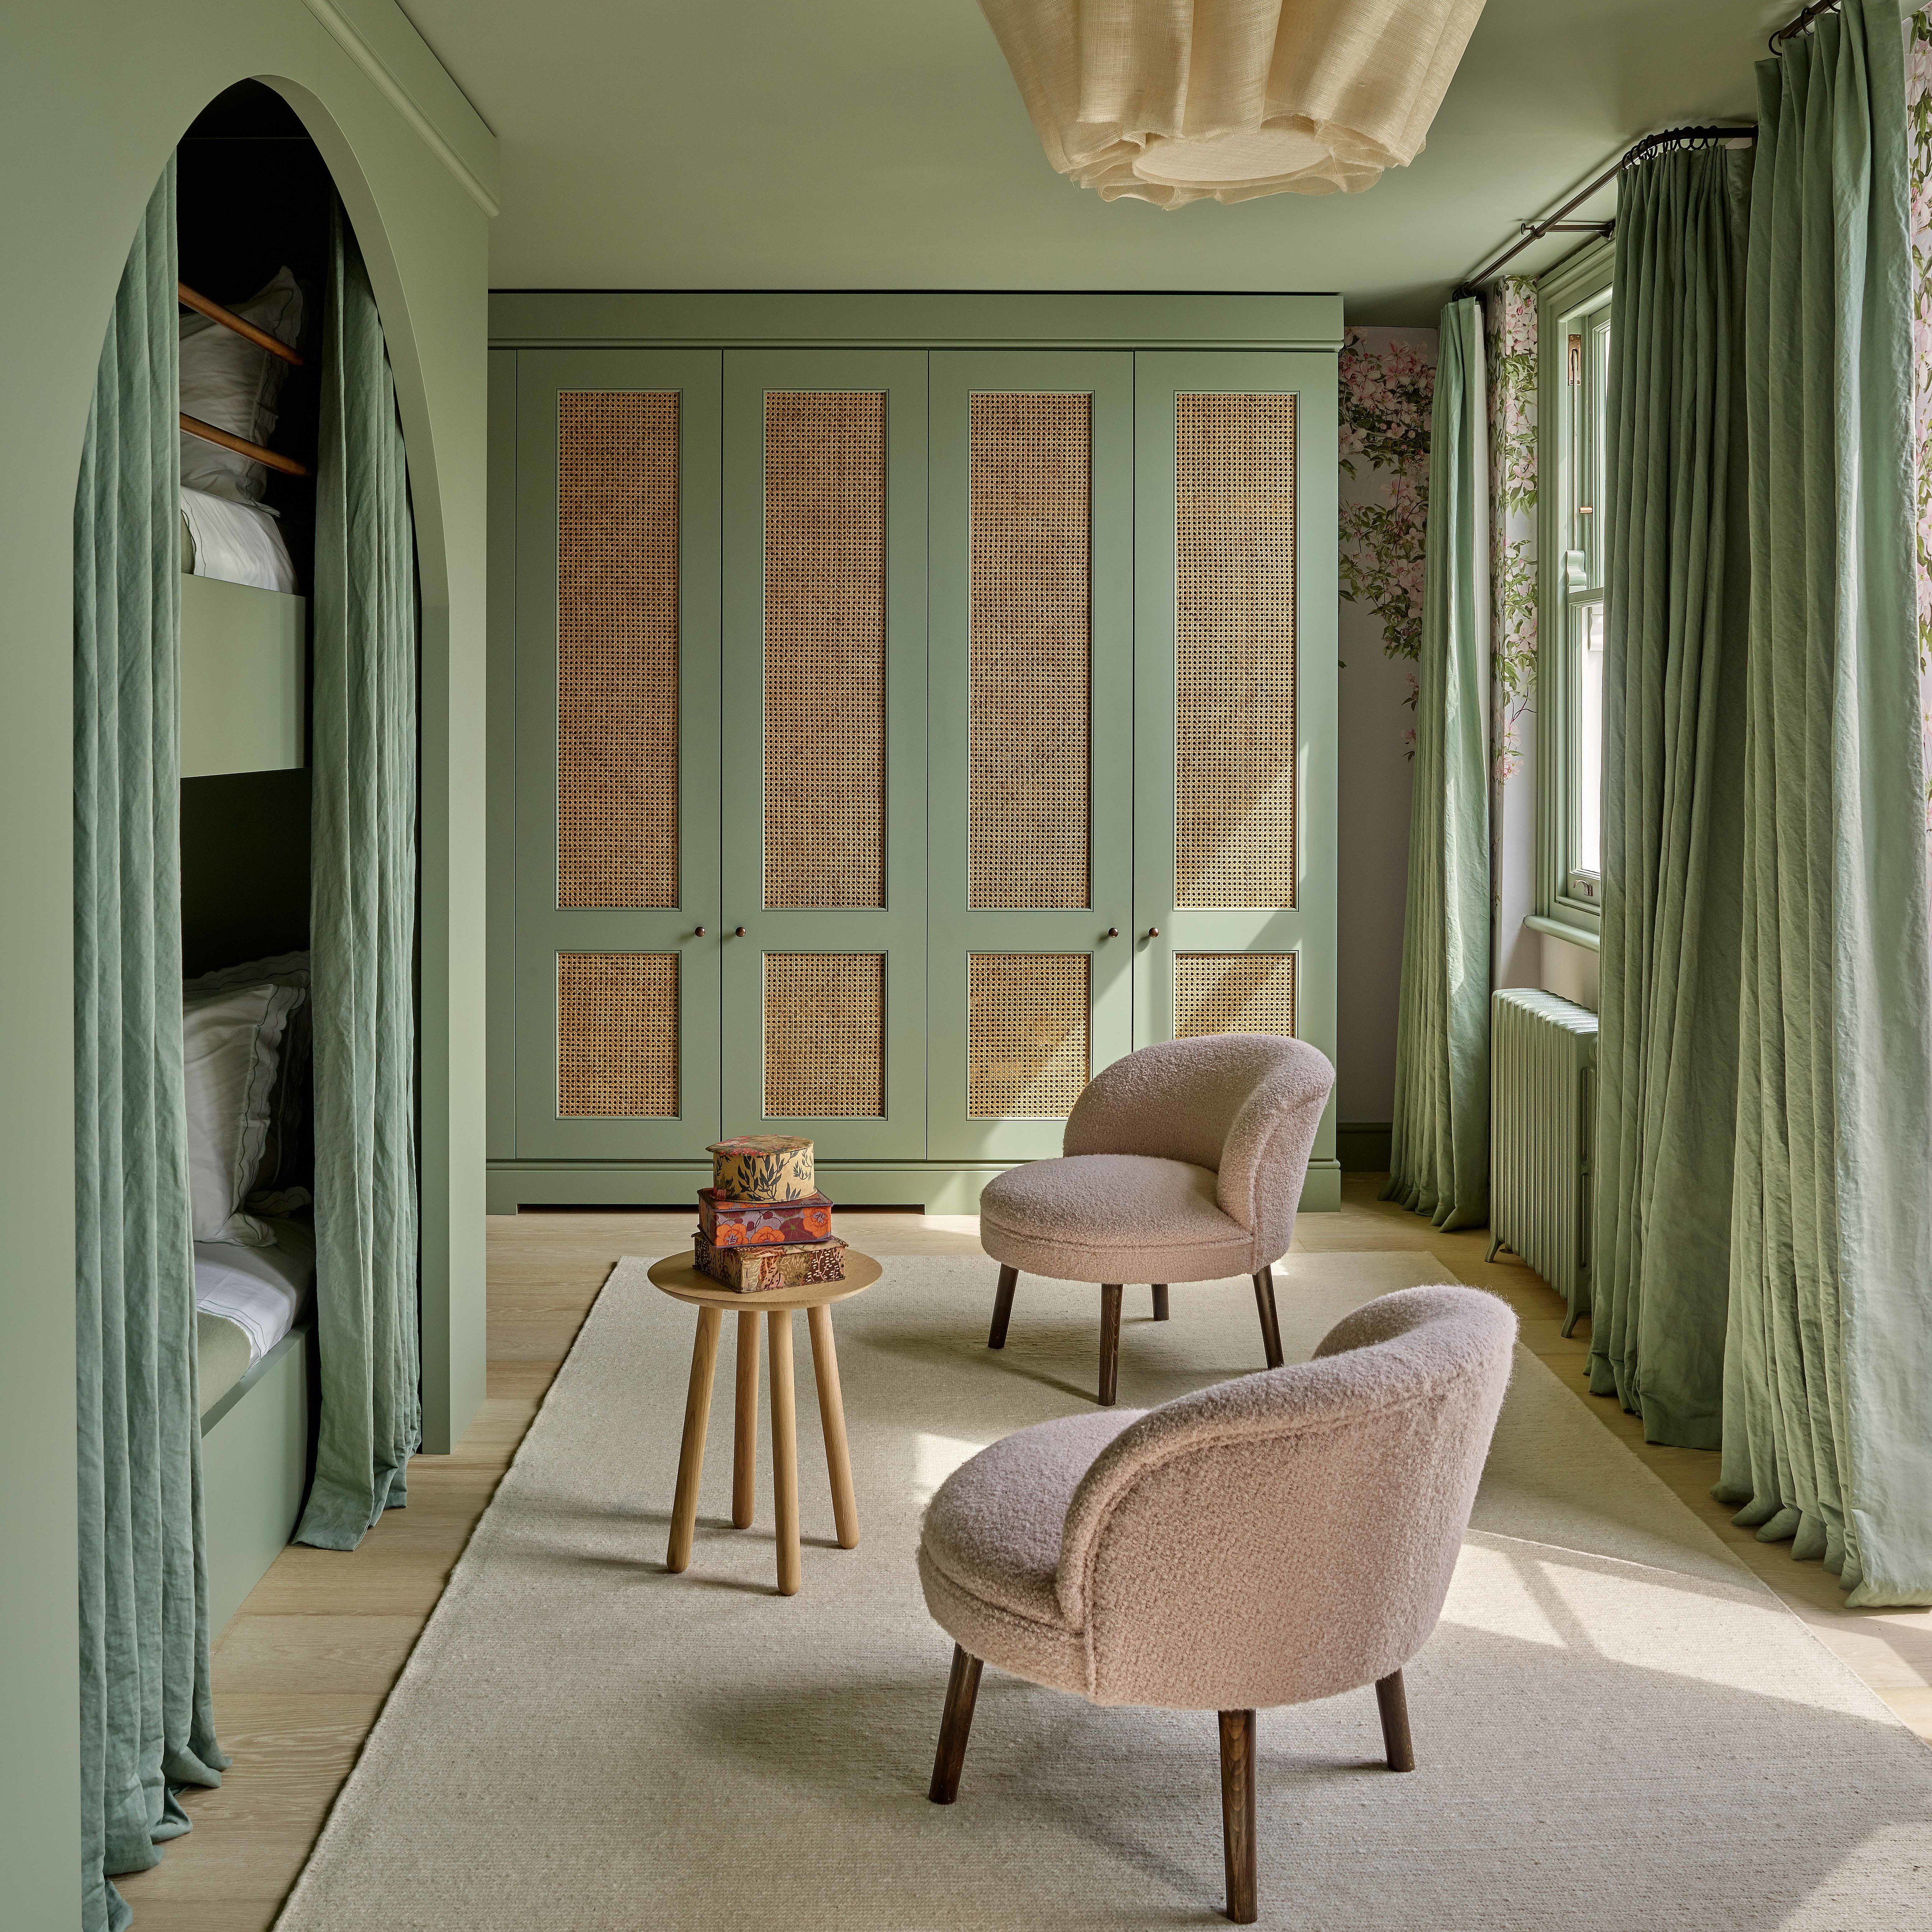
91 104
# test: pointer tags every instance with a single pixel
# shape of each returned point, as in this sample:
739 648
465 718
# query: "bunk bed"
251 1166
244 677
244 626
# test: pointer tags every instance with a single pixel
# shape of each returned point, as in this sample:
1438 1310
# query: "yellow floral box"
762 1167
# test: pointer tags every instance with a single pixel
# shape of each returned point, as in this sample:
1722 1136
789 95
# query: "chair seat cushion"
1113 1217
990 1548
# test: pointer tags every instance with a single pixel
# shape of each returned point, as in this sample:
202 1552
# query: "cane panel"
825 1036
825 649
617 648
1029 650
1234 634
1027 1034
1233 992
617 1035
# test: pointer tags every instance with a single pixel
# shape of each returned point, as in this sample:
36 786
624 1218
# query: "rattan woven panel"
1233 992
825 649
1234 651
617 648
1031 650
616 1034
825 1036
1027 1034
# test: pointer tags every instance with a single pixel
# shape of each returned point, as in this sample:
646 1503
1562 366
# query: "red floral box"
726 1223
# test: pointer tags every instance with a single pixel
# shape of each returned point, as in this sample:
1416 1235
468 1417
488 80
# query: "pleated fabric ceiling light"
1172 101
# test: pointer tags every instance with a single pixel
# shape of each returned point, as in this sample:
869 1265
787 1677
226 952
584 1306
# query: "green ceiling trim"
525 318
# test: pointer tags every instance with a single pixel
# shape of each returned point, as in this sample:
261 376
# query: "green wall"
93 95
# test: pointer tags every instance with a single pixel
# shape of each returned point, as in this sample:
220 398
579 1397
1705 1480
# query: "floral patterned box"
762 1167
726 1223
795 1265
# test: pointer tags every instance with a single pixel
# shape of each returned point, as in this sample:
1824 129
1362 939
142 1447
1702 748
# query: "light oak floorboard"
301 1673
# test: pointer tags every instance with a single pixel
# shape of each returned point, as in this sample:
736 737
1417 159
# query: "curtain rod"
1534 232
1805 17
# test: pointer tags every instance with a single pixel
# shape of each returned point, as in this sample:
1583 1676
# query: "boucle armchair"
1182 1162
1270 1540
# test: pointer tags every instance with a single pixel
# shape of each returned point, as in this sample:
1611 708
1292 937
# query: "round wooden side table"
678 1276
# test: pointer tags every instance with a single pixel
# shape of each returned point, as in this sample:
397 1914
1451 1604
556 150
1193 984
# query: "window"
1573 459
1586 370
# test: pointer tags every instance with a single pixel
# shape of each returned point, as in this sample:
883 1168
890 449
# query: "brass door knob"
740 933
1113 932
1153 932
700 933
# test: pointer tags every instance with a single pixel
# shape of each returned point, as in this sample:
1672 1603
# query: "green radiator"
1543 1079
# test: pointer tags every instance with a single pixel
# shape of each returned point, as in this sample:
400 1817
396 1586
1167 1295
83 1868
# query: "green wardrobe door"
1234 706
617 824
1031 732
824 748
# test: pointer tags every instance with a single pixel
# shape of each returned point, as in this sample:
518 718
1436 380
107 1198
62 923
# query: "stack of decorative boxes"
762 1223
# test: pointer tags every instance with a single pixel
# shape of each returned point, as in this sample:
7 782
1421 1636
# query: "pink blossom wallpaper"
1387 378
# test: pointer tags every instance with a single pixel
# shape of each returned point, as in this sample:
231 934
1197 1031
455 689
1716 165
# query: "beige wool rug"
1619 1728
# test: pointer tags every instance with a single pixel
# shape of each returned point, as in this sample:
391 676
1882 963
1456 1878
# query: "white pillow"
226 381
232 1042
286 1168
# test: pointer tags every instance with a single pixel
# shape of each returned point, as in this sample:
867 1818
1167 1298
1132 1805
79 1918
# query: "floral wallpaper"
1509 315
1511 324
1388 388
1918 133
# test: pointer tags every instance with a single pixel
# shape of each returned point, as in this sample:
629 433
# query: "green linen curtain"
146 1724
362 918
1439 1153
1677 542
1828 1434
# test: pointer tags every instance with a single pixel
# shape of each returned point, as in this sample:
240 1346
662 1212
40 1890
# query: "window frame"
1571 298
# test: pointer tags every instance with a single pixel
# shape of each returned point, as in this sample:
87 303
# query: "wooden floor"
301 1674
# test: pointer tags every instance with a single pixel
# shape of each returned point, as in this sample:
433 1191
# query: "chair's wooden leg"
1271 1327
962 1689
1160 1301
831 1421
1110 1341
785 1450
744 1423
1238 1813
690 1452
1392 1700
1003 1307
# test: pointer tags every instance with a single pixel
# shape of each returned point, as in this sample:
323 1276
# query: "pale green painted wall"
94 94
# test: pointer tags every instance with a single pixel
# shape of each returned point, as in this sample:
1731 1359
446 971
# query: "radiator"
1543 1081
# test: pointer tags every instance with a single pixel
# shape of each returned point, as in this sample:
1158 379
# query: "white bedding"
261 1290
240 543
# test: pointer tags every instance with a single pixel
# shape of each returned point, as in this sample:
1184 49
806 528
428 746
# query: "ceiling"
881 144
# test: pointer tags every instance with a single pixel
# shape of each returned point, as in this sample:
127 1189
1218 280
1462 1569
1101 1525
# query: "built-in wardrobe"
902 706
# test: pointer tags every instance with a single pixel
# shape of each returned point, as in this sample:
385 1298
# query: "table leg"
784 1451
744 1422
691 1454
831 1418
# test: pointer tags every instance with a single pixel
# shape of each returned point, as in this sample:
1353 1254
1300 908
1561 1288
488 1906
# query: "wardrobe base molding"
938 1187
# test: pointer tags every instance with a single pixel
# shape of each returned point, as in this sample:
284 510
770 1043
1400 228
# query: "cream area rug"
1618 1727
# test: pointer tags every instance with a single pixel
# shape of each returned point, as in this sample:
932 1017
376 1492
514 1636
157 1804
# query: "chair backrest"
1245 1104
1291 1535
